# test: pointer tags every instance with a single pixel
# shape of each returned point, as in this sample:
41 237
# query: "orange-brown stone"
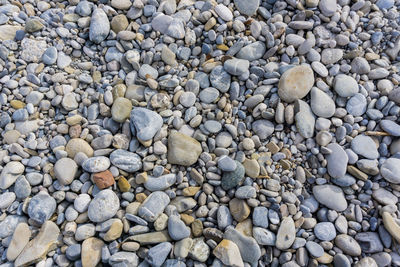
103 179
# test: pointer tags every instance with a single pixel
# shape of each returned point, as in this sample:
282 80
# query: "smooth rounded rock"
295 83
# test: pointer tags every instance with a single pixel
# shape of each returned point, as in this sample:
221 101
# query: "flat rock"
248 247
152 238
37 249
248 8
41 207
305 119
325 193
177 229
390 127
348 245
96 164
158 254
183 149
264 237
126 160
322 104
252 51
65 170
160 183
364 146
345 86
76 145
19 240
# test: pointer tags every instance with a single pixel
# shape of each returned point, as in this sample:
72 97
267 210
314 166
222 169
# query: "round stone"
295 83
121 109
41 207
325 231
104 206
65 170
345 85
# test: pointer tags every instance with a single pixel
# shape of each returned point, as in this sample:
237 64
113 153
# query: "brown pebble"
103 179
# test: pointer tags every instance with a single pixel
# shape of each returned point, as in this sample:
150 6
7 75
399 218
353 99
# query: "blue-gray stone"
233 178
41 208
245 192
22 188
226 164
177 229
325 231
73 252
124 259
337 161
315 249
345 181
252 51
174 263
153 206
264 237
247 7
8 225
236 66
146 123
104 206
160 183
385 4
260 217
99 26
357 105
209 95
390 127
158 254
84 8
248 246
224 217
365 146
390 170
49 56
125 160
220 79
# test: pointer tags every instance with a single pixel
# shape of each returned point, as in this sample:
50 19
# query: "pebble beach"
173 133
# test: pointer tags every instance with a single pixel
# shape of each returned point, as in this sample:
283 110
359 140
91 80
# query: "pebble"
158 254
247 7
229 254
324 193
96 164
99 26
10 173
286 234
103 206
337 161
183 149
390 127
160 183
19 240
389 170
321 104
146 123
125 160
65 170
153 206
289 88
364 146
348 245
230 179
91 251
177 229
325 231
41 208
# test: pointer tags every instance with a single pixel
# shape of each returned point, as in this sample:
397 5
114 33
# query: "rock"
125 160
224 217
160 183
146 123
252 51
114 232
124 258
239 209
345 86
76 145
153 206
41 207
236 66
33 25
305 120
103 179
252 168
226 164
364 146
248 8
325 231
286 234
264 237
182 149
295 83
10 173
260 217
176 29
220 79
263 128
246 192
248 247
121 109
104 206
348 245
91 252
6 199
32 50
158 254
19 240
385 4
8 225
177 229
199 250
99 26
337 161
96 164
152 238
356 105
325 193
322 105
369 242
233 178
390 127
390 170
168 56
7 32
65 170
49 56
228 252
37 249
391 226
223 12
314 249
331 55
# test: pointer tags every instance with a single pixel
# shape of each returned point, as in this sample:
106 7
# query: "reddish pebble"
103 179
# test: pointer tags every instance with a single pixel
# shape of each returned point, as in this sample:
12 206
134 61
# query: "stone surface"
286 234
231 179
126 160
325 193
91 252
39 246
295 83
65 170
183 149
228 252
103 206
19 240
